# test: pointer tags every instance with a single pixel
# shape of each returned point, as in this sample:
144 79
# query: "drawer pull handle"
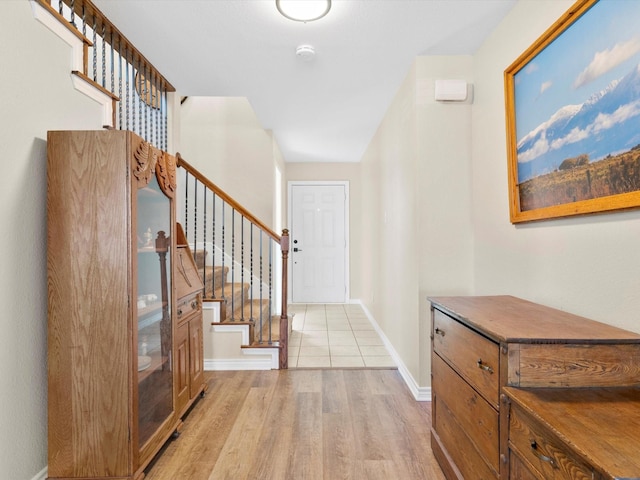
439 332
544 458
484 367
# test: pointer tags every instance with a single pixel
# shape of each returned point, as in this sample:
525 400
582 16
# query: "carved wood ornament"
166 174
150 160
145 162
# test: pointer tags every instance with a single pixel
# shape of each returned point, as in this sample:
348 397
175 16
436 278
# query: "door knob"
297 250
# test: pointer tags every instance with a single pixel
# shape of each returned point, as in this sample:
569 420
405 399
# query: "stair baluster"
213 252
242 266
113 63
195 213
94 50
261 283
103 62
223 255
120 107
269 319
72 19
204 241
233 263
251 269
127 94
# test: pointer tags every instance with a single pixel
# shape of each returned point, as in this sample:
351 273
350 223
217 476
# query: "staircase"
242 263
236 305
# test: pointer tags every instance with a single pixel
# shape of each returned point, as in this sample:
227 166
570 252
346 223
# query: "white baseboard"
421 394
261 363
41 475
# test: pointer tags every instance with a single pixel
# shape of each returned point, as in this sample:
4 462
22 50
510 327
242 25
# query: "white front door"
318 250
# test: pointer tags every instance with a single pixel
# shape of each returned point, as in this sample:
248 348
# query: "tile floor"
335 336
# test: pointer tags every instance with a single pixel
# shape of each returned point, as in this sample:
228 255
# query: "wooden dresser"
482 344
591 433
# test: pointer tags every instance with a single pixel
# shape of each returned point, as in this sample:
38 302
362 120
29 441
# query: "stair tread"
274 344
213 274
229 289
214 267
229 321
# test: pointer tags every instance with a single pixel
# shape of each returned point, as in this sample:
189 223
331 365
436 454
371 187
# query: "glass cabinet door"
155 365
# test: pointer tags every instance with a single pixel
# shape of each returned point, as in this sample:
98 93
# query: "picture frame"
573 115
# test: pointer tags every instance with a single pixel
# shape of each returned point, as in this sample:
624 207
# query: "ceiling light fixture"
303 10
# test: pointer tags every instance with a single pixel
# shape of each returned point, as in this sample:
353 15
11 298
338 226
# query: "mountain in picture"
606 124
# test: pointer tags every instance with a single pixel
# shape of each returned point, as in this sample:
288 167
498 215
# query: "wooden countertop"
510 319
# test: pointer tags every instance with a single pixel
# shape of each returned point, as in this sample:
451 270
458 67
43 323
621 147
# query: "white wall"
588 265
443 185
223 139
390 247
280 194
417 238
36 95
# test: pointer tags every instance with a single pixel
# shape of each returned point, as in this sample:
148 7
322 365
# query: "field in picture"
578 179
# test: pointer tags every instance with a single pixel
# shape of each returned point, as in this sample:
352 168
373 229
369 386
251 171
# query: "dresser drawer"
451 437
188 306
543 451
518 470
473 356
475 418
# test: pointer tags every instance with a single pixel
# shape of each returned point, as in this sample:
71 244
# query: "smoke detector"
305 52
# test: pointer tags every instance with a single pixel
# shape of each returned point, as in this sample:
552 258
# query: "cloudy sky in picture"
581 94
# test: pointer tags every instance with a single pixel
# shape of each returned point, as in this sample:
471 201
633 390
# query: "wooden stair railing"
112 65
230 243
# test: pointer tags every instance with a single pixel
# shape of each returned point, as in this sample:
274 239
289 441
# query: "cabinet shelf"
149 310
155 361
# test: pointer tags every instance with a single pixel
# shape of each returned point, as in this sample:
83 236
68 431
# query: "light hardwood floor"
302 425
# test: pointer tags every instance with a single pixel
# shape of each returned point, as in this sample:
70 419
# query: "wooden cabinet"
112 308
566 434
482 344
190 362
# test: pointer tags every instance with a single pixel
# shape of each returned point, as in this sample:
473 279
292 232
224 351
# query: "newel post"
284 319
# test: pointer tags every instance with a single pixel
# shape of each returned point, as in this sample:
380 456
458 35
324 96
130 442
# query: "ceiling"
323 110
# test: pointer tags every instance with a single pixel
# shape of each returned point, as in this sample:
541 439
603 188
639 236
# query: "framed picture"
573 115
